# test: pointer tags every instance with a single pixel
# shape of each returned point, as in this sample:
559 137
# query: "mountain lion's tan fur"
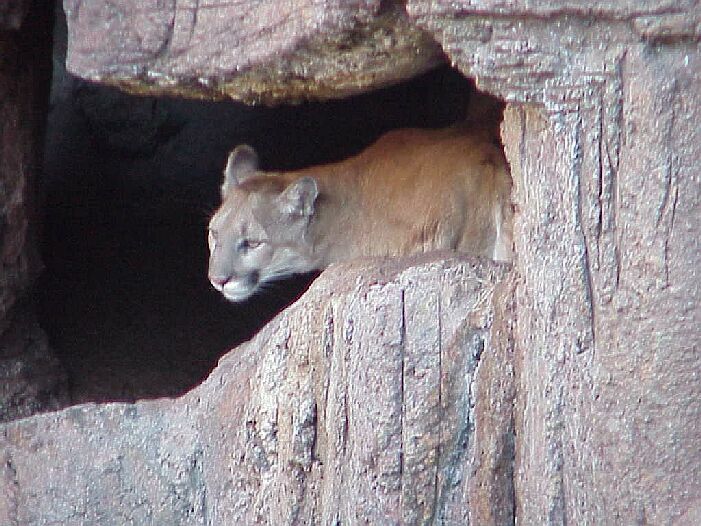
411 191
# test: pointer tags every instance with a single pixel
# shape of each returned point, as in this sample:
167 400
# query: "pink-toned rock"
552 52
606 312
388 394
362 403
270 52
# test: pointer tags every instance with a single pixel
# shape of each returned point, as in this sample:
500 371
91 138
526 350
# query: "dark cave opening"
127 189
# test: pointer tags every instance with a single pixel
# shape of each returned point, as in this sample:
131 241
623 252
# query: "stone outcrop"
270 52
31 378
382 394
602 137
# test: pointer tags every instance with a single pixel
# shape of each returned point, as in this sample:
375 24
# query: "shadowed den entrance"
129 184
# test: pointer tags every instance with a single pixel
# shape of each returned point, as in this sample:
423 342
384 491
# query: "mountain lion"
411 191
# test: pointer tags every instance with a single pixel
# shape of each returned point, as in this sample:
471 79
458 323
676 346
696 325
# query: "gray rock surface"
31 378
269 52
362 403
343 410
602 136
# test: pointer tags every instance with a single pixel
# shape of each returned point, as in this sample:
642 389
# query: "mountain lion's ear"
299 197
242 164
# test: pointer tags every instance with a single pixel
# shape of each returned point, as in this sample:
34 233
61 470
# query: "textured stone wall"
270 52
30 377
602 136
380 396
565 391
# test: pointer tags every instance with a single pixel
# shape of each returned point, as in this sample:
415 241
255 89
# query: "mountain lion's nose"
218 282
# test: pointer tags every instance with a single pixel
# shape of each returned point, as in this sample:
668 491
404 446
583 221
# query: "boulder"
269 52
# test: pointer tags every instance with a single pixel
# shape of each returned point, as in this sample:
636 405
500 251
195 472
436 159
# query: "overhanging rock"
268 52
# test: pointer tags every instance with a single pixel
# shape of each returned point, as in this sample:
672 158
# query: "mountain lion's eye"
246 244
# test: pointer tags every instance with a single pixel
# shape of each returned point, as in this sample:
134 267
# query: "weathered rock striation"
431 391
602 137
382 394
269 52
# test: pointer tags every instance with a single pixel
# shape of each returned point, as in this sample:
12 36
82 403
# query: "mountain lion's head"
259 233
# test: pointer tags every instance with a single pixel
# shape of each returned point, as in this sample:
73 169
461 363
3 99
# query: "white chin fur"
237 291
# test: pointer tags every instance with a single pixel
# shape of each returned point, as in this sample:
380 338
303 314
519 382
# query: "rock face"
381 395
30 377
606 188
269 52
431 391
